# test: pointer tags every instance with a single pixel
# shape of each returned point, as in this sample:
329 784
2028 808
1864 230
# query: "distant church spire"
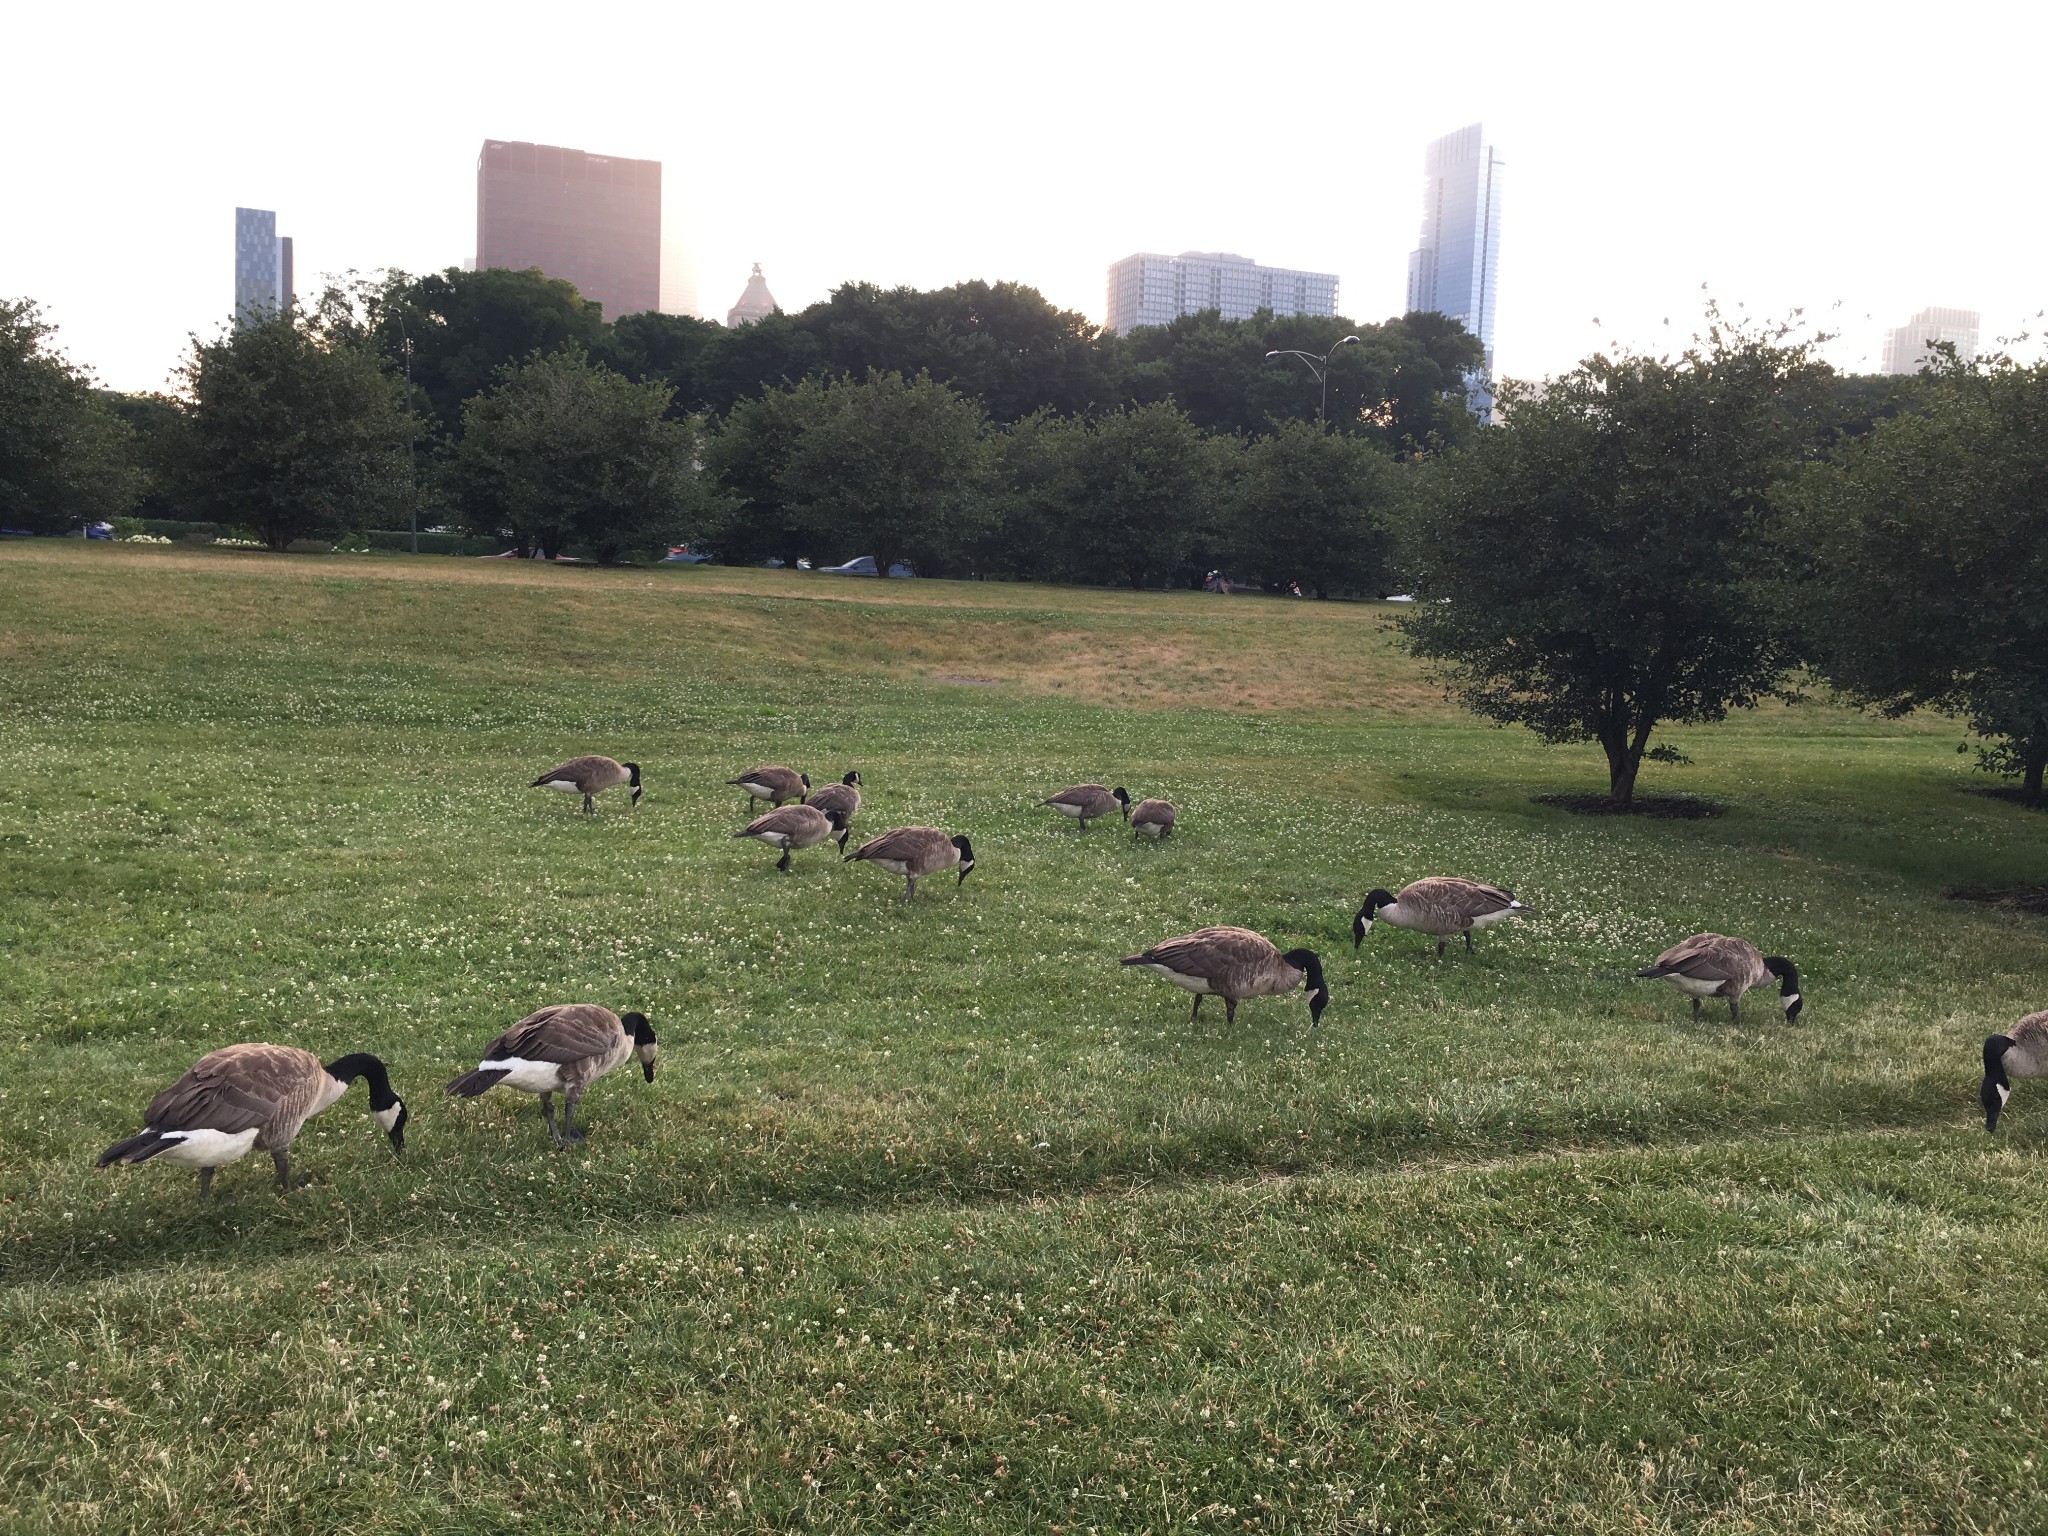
757 303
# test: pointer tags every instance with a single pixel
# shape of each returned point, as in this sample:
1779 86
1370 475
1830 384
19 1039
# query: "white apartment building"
1152 290
1908 347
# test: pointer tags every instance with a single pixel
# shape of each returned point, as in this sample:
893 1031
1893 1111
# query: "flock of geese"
245 1098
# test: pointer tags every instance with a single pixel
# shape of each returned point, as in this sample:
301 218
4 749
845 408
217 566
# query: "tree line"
1643 541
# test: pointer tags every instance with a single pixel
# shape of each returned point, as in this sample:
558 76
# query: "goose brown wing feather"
1211 952
234 1089
1709 957
923 849
1081 794
789 819
564 1033
1470 898
589 772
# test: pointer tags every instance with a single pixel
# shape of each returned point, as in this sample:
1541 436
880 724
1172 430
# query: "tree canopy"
1603 561
291 427
1928 548
65 458
562 450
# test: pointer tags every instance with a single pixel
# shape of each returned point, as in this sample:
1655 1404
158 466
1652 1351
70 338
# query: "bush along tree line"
1643 542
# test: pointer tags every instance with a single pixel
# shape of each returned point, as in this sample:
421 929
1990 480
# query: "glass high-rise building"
1153 290
1908 348
1456 268
263 266
591 220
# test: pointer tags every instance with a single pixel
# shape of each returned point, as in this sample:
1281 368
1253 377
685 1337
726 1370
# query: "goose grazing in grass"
914 852
1087 802
2022 1052
1714 965
792 827
245 1098
774 783
1233 964
563 1049
1441 906
589 777
1152 818
843 797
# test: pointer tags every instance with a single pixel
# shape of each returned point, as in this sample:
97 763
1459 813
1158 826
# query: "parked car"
864 565
683 554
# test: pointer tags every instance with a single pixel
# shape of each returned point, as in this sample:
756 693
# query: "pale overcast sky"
1879 158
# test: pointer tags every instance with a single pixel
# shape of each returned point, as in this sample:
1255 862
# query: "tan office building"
592 220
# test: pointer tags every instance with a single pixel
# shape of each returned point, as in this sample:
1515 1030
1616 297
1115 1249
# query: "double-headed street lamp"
1320 367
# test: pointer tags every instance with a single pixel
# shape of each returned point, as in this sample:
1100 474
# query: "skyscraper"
1908 348
756 302
1153 290
263 266
592 220
1456 267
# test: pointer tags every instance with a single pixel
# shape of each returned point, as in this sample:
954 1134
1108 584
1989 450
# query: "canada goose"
590 776
1152 818
563 1049
1086 802
249 1096
790 827
845 795
773 784
1233 964
914 852
2021 1053
1713 965
1441 906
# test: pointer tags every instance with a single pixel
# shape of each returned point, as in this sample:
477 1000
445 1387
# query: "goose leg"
547 1111
205 1185
570 1135
1440 949
281 1158
1229 1010
1196 1012
1468 941
783 865
1695 1010
1734 1011
587 806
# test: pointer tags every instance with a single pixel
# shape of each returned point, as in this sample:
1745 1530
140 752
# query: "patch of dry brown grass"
1134 650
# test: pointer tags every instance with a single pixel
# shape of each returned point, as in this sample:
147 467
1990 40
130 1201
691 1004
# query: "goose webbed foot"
783 863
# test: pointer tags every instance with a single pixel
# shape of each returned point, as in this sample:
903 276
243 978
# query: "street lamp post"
1320 367
412 473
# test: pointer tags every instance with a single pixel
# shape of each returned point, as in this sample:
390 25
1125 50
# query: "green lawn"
936 1217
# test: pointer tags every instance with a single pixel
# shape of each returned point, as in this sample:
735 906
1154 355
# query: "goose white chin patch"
2004 1093
1789 1003
207 1149
387 1117
526 1076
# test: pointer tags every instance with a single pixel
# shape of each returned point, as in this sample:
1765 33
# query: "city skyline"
263 265
1648 160
1455 269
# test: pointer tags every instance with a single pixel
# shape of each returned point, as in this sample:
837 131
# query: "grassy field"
935 1217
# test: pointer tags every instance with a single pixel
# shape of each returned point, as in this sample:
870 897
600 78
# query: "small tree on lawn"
1313 507
1928 543
563 449
891 467
291 427
1602 562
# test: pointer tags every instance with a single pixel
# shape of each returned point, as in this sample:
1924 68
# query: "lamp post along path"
1319 365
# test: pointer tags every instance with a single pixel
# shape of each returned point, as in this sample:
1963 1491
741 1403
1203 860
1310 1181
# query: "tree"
563 450
1142 491
291 427
746 458
1601 562
1312 507
466 326
890 467
1927 543
65 459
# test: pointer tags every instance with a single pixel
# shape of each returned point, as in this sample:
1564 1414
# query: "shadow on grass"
1654 807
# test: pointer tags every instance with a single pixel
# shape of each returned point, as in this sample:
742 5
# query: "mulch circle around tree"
1657 807
2013 898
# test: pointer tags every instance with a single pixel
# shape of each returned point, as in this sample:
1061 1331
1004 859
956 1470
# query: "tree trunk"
2036 761
1624 749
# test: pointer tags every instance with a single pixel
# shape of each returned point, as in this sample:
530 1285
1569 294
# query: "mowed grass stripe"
1836 1335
